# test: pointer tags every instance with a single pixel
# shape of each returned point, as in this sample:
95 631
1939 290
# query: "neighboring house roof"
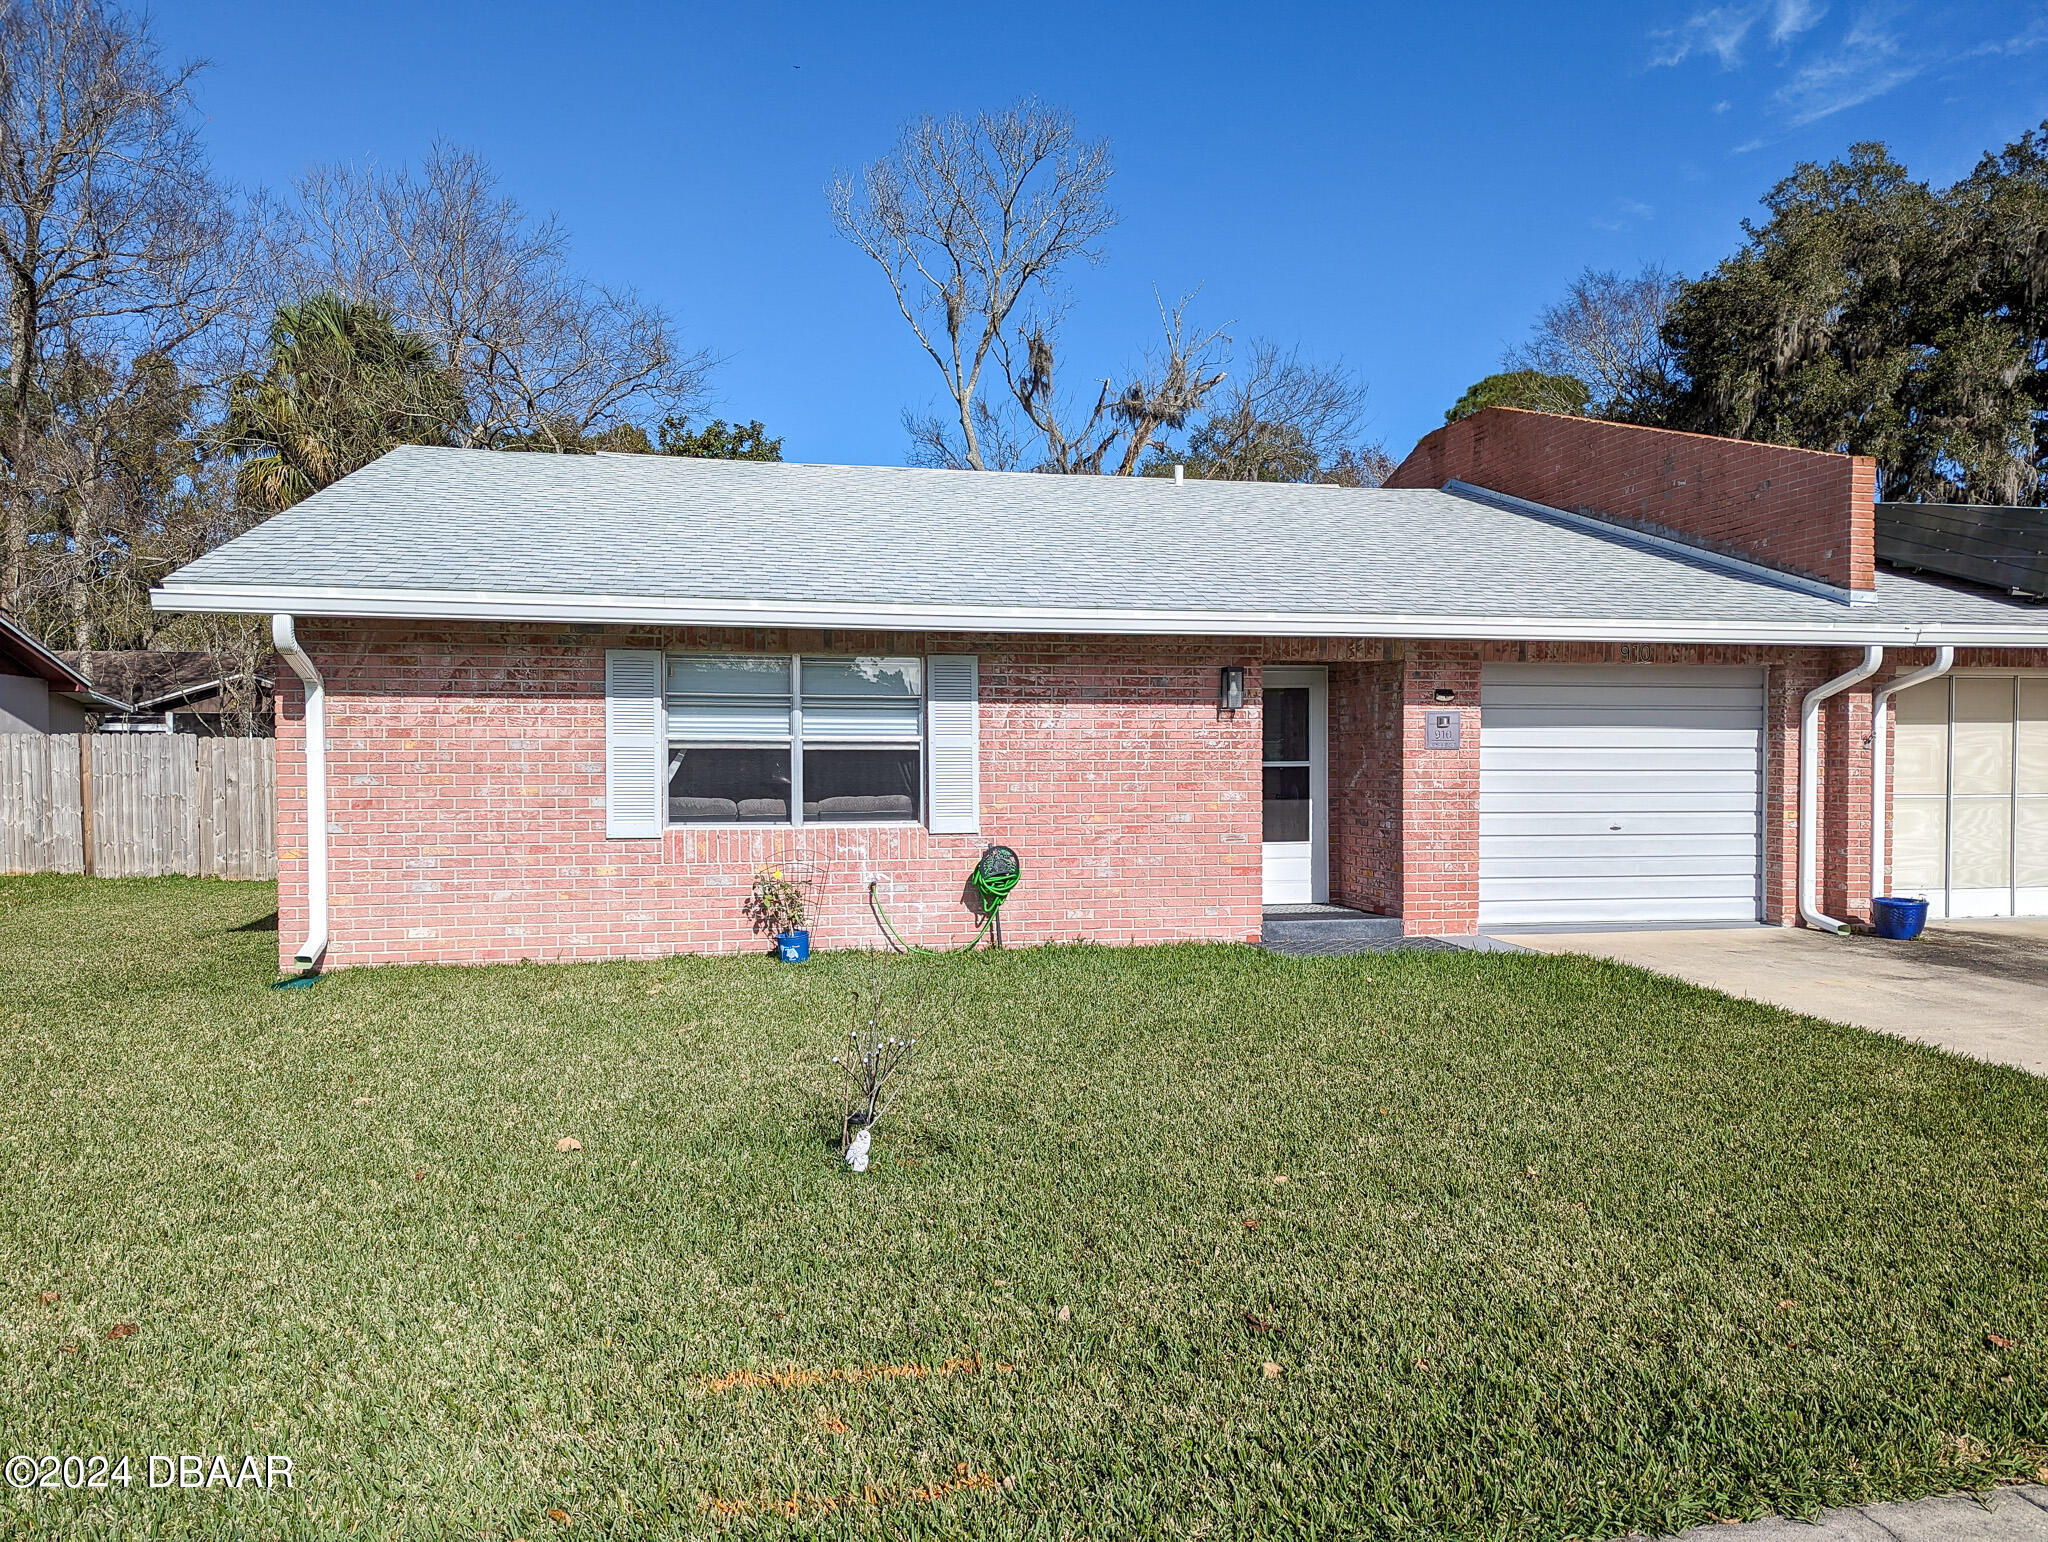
672 540
2000 545
158 679
21 648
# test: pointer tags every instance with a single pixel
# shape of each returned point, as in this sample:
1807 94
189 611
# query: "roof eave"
26 646
630 610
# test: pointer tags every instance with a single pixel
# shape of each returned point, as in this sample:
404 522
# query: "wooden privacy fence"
138 805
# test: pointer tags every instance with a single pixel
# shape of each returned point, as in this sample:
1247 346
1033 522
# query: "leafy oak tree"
1529 388
1875 314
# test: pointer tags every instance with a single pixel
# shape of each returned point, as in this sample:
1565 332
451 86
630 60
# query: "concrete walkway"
1979 987
2004 1515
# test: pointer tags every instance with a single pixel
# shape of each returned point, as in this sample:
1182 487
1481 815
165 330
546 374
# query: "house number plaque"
1441 731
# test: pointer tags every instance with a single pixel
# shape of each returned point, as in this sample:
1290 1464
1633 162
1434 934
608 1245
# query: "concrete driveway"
1979 987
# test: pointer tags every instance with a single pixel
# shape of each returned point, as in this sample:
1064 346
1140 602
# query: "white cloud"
1719 31
1823 71
1870 60
1627 212
1722 30
1789 18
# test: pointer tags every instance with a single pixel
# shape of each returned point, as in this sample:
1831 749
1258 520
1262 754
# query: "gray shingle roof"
796 538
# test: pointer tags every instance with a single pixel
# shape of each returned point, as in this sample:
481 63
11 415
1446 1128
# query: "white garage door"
1618 795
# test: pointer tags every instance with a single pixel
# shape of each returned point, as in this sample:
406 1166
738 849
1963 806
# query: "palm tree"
344 384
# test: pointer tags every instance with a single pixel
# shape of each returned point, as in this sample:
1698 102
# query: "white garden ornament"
857 1151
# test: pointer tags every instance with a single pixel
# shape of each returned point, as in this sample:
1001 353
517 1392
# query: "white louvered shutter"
952 718
632 743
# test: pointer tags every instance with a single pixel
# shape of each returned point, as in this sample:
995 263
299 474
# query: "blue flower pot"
793 947
1899 919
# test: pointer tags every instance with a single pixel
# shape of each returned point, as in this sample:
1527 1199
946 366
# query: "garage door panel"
1629 886
1663 782
1615 866
1728 802
1687 910
1618 795
1627 846
1600 758
1564 826
1625 723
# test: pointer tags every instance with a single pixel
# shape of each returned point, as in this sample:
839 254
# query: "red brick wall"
1365 786
466 785
1800 511
1440 793
466 781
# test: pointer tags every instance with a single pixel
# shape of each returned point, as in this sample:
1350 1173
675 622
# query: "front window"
774 739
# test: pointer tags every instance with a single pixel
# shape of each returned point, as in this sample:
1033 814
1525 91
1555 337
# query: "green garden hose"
995 878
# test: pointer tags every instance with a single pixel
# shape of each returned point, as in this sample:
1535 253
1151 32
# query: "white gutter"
634 610
1809 789
316 788
1880 704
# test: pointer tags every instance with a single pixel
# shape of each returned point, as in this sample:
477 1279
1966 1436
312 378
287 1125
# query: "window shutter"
952 712
632 743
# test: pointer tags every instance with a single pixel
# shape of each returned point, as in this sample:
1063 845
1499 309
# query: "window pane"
879 678
737 700
1286 802
1982 856
1287 723
1919 845
1920 740
864 721
2033 844
2033 734
1984 722
842 785
765 674
718 786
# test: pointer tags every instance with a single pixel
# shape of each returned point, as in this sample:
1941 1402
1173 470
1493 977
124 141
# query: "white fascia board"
622 610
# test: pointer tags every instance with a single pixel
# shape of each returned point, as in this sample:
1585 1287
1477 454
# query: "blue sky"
1398 187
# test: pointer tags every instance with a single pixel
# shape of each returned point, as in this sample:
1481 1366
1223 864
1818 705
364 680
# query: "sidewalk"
2004 1515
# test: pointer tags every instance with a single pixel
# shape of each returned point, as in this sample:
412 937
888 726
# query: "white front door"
1296 779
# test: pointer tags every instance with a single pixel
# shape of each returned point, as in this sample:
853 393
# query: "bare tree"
969 217
544 357
999 439
1167 387
114 237
1606 332
1286 419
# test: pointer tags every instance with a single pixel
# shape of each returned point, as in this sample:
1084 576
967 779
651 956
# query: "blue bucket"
795 947
1899 919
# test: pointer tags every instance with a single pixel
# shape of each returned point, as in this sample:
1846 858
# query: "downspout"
316 789
1880 704
1809 789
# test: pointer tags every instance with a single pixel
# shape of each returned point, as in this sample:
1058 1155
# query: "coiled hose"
995 878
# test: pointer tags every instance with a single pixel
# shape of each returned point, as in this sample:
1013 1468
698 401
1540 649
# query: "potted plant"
776 906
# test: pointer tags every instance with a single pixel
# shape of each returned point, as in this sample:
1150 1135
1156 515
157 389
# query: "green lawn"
1543 1248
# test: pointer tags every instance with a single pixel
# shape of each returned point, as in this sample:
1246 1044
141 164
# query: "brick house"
1556 672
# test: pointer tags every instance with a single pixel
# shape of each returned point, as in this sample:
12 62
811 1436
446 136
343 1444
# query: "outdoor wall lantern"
1230 689
1445 693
